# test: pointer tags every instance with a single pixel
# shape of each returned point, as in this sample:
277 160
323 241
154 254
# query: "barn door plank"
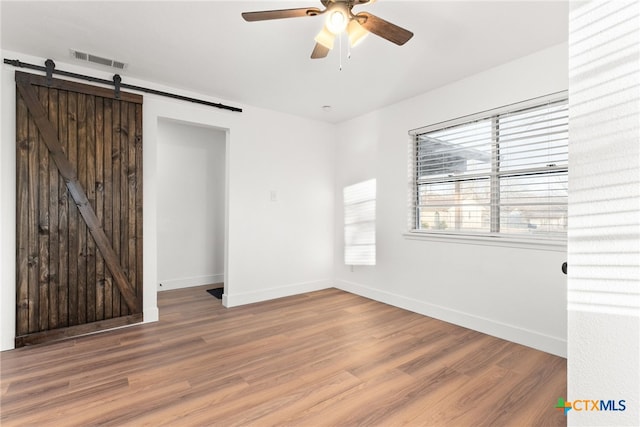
91 197
138 145
22 223
32 220
43 227
63 216
131 195
99 179
72 248
115 204
124 186
53 279
81 174
108 200
50 138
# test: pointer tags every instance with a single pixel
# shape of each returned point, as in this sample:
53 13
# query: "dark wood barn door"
79 209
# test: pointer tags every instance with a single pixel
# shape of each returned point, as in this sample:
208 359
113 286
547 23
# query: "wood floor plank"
434 392
322 358
354 406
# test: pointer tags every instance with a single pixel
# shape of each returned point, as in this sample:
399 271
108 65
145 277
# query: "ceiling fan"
340 18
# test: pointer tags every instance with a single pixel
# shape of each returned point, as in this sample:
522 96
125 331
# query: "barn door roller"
116 83
50 65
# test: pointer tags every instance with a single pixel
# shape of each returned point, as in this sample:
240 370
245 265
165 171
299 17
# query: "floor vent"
82 56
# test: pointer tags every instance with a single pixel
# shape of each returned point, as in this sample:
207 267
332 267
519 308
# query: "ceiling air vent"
82 56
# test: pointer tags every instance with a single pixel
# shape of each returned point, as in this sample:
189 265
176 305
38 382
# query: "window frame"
493 236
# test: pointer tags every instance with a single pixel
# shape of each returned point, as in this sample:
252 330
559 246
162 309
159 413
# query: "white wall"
512 292
191 196
275 248
290 245
604 211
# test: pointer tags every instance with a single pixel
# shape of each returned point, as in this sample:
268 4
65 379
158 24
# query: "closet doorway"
191 205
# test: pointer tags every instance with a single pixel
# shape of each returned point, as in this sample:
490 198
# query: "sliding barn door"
79 209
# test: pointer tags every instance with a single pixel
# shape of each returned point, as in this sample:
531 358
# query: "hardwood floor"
323 358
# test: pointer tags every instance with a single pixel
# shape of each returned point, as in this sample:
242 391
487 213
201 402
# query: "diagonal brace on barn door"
66 169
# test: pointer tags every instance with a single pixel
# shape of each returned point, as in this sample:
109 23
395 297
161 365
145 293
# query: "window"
360 223
499 173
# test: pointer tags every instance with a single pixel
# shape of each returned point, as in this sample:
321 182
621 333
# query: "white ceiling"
206 47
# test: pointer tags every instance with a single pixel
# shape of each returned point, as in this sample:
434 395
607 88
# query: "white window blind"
503 172
360 223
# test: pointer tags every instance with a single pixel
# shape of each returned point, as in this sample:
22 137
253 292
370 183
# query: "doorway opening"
191 210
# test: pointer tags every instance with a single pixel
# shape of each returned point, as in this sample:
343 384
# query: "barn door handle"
564 267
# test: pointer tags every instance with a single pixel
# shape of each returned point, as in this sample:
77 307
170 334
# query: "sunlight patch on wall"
360 223
604 153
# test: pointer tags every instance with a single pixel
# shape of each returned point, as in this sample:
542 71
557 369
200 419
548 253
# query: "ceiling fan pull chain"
340 49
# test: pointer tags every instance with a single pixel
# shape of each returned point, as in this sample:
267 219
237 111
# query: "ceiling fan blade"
319 51
384 29
280 14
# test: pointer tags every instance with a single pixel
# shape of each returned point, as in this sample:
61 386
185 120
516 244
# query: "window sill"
502 241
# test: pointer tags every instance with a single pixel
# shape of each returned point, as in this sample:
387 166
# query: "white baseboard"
501 330
7 341
242 298
187 282
150 314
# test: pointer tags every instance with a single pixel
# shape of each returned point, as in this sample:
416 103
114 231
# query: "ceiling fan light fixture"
325 38
337 19
356 32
